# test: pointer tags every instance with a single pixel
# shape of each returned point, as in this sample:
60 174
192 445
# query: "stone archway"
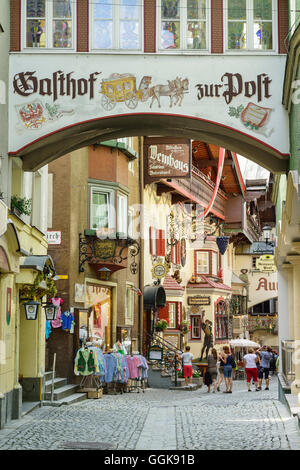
54 145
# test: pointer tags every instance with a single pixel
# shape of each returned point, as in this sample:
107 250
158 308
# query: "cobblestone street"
161 420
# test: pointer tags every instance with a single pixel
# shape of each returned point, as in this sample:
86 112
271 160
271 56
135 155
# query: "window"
202 262
102 212
122 215
129 306
250 25
49 24
221 320
183 25
117 24
102 209
214 263
206 262
157 242
172 315
195 327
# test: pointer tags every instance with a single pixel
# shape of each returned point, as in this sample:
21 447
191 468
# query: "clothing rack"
113 372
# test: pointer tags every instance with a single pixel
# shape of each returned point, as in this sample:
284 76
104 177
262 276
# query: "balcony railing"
201 189
288 348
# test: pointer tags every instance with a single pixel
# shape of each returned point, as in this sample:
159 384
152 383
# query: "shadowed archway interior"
54 145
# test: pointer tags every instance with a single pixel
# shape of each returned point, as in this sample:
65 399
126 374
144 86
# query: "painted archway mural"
60 103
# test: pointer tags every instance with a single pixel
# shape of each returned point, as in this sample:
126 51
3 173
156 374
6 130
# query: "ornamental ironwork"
114 250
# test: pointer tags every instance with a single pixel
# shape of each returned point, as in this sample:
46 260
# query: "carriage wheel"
108 103
131 100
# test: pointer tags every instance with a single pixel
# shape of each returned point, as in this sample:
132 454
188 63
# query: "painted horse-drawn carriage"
119 88
122 88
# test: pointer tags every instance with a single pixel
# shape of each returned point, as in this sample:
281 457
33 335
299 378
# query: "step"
58 382
62 392
48 375
184 388
69 400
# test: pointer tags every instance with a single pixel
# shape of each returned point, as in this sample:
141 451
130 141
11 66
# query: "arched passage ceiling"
54 145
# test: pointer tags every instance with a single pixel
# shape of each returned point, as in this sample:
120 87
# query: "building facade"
96 253
86 72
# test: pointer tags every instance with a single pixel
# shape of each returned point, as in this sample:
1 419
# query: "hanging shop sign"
48 94
266 264
155 353
199 300
104 249
167 158
160 270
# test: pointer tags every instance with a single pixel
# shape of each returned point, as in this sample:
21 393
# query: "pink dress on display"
57 302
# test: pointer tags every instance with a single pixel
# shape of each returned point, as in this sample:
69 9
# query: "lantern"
50 311
31 309
104 274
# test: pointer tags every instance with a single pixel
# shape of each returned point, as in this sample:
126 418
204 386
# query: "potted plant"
184 327
21 205
161 325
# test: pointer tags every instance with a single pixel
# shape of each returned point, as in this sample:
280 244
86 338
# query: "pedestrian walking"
187 358
229 362
265 358
250 364
221 372
273 362
212 361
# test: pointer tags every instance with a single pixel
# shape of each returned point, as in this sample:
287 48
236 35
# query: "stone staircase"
64 393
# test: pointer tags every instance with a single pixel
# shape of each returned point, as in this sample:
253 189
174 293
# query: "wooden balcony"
196 190
241 226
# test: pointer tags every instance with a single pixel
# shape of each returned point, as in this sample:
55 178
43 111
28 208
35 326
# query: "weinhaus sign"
49 93
167 159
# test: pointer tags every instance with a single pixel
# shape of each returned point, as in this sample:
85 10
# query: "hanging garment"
111 367
66 321
57 302
143 368
100 359
86 362
48 329
133 362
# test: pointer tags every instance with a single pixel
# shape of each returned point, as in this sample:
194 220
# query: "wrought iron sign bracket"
93 249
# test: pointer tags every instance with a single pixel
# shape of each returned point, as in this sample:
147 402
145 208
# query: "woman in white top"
250 361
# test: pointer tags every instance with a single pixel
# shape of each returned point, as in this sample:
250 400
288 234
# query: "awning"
154 297
38 262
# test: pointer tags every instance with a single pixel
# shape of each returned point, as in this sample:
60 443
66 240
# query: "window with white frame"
172 314
206 262
49 24
102 208
129 306
250 25
183 25
202 262
117 24
122 226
